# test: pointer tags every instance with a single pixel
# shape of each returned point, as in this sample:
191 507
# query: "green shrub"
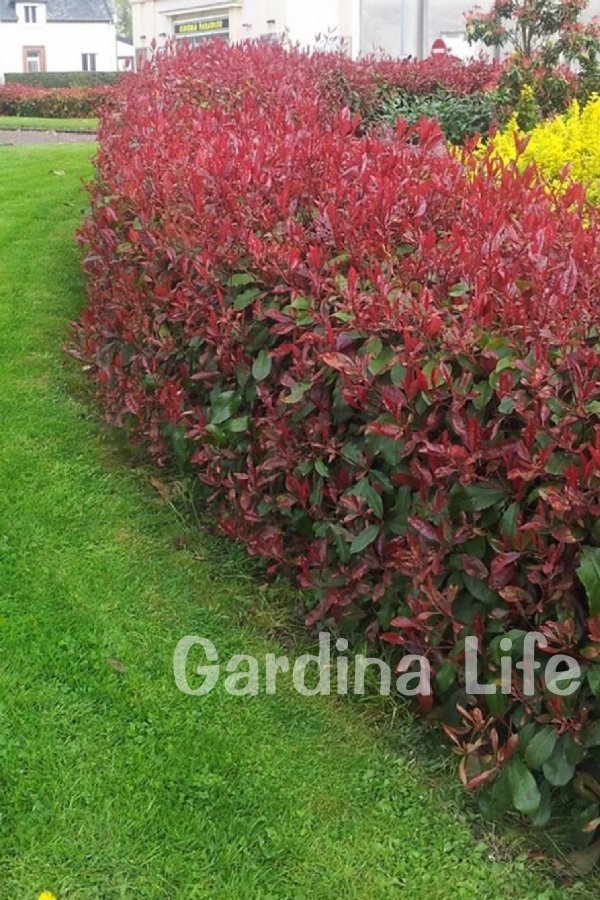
61 79
460 117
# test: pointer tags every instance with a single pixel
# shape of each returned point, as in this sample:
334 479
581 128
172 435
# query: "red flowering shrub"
384 362
52 103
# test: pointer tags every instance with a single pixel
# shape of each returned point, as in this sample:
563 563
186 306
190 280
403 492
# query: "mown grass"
31 123
113 784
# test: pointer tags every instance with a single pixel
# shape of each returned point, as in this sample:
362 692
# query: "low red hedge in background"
384 361
53 103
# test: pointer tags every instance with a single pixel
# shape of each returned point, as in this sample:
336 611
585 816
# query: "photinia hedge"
53 103
383 358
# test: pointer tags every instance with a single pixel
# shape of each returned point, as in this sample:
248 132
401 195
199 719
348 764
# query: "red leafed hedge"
385 363
53 103
429 76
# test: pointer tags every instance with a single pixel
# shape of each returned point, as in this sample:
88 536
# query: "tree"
123 13
549 29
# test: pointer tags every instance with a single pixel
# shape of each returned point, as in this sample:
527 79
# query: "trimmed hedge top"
61 79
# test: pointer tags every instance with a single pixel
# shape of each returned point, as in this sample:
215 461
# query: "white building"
57 36
397 27
411 26
236 20
124 54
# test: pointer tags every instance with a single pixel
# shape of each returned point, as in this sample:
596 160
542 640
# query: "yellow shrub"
572 140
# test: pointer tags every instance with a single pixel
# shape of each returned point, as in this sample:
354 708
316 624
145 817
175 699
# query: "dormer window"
30 15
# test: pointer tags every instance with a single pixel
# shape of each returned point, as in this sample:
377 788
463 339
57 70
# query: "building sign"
199 28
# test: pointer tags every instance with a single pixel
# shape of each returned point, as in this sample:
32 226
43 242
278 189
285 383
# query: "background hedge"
62 79
53 103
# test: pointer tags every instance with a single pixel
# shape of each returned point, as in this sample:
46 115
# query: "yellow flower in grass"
46 895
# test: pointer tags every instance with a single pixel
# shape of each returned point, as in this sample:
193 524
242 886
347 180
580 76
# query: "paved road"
44 137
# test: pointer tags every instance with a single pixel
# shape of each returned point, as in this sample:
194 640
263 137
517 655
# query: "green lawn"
113 784
29 123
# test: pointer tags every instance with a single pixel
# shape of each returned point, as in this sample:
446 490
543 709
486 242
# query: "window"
34 59
33 62
88 62
30 15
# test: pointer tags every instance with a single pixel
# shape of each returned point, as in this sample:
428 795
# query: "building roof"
64 10
7 11
79 11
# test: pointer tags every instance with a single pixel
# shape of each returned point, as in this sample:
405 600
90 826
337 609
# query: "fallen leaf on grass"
163 490
116 665
583 861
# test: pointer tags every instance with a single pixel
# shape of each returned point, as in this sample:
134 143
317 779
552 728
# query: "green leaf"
589 575
343 315
353 453
321 468
497 703
524 791
557 769
459 290
485 394
540 748
367 492
374 346
262 365
593 677
542 815
341 544
398 375
479 589
382 360
297 392
591 736
575 752
245 299
302 303
364 539
508 522
446 676
506 405
237 426
222 407
241 278
220 415
402 508
481 497
500 794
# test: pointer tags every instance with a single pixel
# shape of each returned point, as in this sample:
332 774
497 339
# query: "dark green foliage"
460 117
61 79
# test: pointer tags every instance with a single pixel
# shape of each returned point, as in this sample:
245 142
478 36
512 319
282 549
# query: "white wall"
390 26
302 20
309 18
396 27
64 42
